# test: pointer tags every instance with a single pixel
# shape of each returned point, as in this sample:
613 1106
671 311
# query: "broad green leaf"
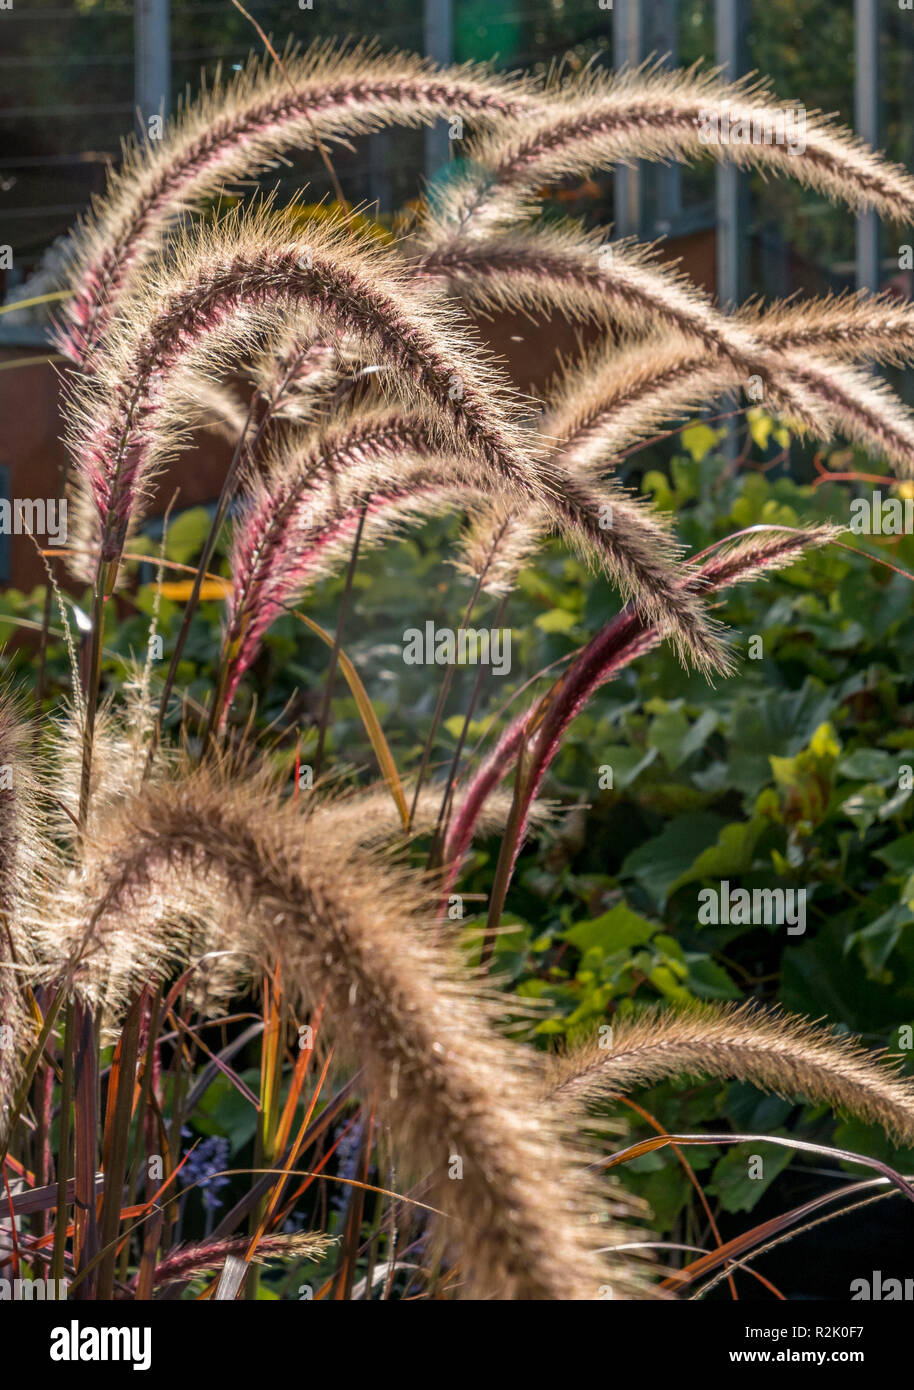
760 427
869 765
898 855
616 930
708 980
699 439
876 942
730 856
818 979
627 763
732 1180
660 862
864 806
187 534
556 620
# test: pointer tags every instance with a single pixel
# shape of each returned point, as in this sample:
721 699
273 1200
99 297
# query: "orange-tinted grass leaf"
369 719
299 1138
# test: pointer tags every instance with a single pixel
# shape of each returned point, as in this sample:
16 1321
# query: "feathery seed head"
219 292
259 881
237 129
599 120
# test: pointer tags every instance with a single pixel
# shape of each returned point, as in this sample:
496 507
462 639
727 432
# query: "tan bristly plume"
774 1051
613 400
619 396
368 818
302 371
540 729
258 880
117 770
584 276
239 128
190 1261
498 543
202 307
211 405
600 120
560 268
303 506
852 327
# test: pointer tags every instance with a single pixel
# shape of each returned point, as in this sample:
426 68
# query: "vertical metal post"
663 41
626 181
732 189
152 59
379 171
730 36
866 117
439 45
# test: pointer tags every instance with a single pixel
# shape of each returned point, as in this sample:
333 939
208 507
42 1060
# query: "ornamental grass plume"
303 506
599 120
855 326
238 128
421 1029
738 1042
583 276
227 286
539 731
586 277
190 1261
165 891
610 401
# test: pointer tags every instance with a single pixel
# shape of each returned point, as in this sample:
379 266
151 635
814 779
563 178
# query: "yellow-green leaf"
699 440
369 718
556 620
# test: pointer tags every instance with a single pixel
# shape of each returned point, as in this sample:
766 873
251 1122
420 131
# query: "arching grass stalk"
222 506
532 741
337 641
444 814
443 692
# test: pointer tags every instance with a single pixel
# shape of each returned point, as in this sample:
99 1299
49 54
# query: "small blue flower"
294 1223
347 1160
206 1160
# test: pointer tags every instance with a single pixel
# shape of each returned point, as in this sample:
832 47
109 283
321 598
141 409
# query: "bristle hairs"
213 866
214 296
600 120
381 468
236 129
763 550
612 400
773 1050
549 269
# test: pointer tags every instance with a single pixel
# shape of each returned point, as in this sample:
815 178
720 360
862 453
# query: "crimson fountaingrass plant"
376 402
